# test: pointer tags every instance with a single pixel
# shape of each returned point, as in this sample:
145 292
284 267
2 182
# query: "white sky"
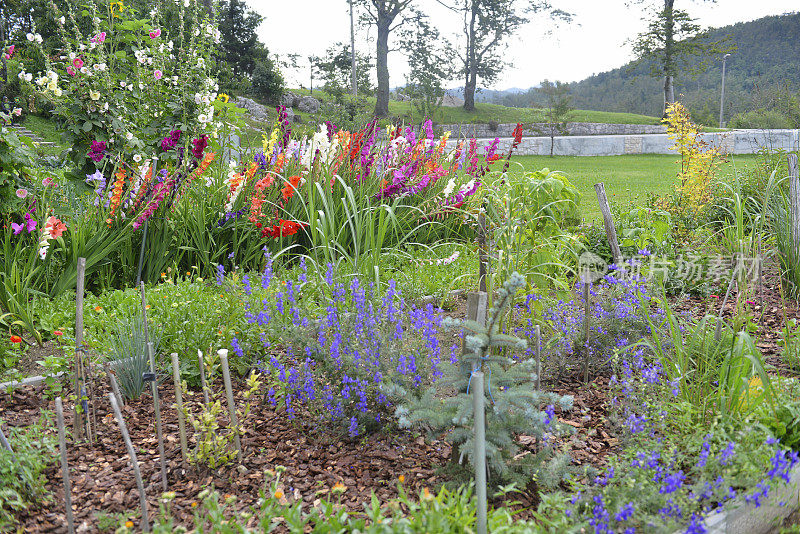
594 42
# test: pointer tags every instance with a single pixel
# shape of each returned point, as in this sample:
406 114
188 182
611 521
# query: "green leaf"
87 126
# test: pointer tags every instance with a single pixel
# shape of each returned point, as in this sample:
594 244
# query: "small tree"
267 81
429 68
559 109
335 71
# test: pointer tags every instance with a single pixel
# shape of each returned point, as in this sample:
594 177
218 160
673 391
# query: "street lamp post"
722 95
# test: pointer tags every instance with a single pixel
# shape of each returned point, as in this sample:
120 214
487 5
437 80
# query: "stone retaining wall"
536 129
733 142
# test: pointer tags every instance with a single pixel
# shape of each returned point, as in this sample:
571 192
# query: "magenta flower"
10 52
98 151
155 33
78 62
157 74
198 146
70 70
169 142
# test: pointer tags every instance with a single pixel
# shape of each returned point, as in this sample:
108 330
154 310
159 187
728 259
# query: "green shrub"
22 479
267 81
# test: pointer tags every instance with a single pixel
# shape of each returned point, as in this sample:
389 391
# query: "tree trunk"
669 49
382 70
471 68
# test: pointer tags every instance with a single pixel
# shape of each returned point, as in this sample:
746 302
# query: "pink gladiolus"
157 74
155 33
78 62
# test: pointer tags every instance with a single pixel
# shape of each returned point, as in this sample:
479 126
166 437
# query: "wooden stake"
134 462
226 376
479 451
176 377
114 385
203 377
477 303
4 442
608 221
62 446
483 259
80 421
154 390
157 408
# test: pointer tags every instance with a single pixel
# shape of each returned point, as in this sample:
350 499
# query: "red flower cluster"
285 228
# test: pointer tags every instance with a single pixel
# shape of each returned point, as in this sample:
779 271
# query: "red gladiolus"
58 333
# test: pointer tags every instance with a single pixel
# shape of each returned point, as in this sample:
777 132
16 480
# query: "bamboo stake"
176 377
62 446
483 260
134 462
114 385
226 376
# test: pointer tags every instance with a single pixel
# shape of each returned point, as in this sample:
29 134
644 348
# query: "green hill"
765 63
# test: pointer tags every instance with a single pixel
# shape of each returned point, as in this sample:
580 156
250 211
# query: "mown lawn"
627 178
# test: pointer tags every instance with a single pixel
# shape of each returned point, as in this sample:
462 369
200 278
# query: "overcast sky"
594 42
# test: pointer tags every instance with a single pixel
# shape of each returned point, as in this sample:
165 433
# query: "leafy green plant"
715 369
22 478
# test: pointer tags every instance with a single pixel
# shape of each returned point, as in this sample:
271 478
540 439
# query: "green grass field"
627 178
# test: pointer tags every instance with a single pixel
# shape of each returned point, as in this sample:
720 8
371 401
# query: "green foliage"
514 406
239 47
16 160
267 81
717 369
527 217
335 69
430 67
558 110
22 478
128 353
644 228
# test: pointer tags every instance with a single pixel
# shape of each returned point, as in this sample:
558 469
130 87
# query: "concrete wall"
480 131
733 142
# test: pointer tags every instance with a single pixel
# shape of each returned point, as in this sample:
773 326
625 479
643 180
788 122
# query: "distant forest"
762 75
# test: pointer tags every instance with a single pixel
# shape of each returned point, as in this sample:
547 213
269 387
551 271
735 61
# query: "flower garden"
289 337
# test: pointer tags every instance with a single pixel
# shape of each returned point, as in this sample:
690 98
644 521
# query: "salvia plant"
514 406
351 360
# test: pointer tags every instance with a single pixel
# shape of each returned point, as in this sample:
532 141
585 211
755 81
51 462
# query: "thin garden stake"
134 462
203 376
81 422
157 407
176 377
794 200
608 221
62 446
479 454
226 376
4 442
483 259
477 303
114 385
154 389
144 230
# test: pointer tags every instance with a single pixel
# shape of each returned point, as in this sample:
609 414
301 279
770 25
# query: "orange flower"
194 504
129 524
116 195
278 494
16 339
339 488
98 308
279 162
290 187
401 478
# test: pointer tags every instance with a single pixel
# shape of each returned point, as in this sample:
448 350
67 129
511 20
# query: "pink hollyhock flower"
70 70
78 62
155 33
22 193
47 181
157 74
100 37
10 52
